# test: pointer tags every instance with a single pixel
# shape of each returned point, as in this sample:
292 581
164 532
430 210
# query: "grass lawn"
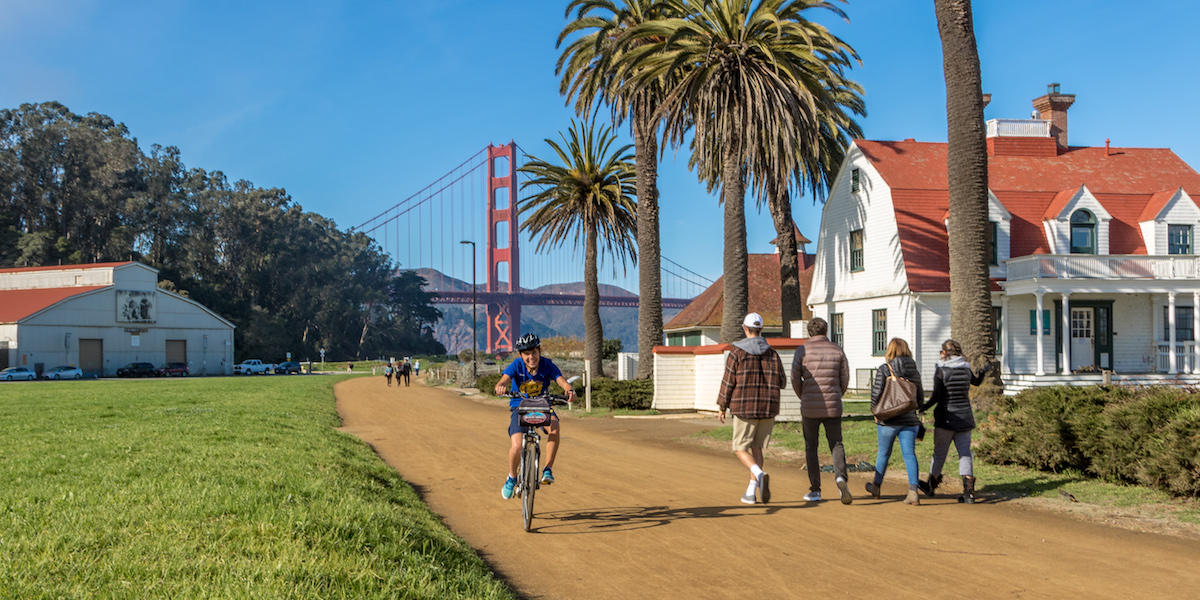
1005 481
210 488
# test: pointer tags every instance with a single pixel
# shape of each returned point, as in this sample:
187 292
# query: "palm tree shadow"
628 518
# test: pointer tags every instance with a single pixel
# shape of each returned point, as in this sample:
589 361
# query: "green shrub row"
606 393
1148 436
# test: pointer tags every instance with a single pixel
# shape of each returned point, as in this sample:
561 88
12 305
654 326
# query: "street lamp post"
474 335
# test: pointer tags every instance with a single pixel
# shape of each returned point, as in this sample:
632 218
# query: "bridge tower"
503 256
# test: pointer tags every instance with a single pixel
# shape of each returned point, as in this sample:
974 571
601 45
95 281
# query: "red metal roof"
63 267
1123 180
18 304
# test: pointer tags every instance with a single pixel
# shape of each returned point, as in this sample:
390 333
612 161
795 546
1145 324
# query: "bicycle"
534 413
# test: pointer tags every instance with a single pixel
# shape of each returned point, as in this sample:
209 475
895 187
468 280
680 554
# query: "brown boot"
912 498
968 496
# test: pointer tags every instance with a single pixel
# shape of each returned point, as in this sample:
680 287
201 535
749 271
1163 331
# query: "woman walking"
953 419
903 426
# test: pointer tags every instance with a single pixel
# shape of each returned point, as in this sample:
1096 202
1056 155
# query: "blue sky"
351 106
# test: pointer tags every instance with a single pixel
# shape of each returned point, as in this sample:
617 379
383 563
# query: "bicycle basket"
534 412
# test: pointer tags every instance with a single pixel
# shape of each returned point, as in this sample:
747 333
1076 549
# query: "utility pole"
474 334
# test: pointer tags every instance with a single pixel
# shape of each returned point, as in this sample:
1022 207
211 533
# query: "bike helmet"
528 341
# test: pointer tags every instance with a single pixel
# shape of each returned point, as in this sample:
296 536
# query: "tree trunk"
733 194
650 313
970 285
780 203
593 329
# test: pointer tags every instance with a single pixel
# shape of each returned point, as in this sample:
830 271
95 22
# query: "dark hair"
952 348
817 326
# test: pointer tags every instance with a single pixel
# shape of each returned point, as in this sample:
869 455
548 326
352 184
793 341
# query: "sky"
351 106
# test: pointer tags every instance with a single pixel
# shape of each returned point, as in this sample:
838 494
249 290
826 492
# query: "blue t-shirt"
528 383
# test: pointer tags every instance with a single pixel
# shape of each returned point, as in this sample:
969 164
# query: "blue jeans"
908 447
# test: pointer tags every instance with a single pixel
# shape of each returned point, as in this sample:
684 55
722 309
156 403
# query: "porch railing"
1018 128
1111 266
1185 357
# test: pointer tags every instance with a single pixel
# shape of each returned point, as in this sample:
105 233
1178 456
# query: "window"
855 180
1045 322
878 332
856 250
997 314
993 233
1179 239
1183 323
835 329
1083 232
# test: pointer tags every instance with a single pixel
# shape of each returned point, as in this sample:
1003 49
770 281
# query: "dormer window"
1083 232
1179 239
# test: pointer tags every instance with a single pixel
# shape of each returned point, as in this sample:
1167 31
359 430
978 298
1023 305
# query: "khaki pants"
751 433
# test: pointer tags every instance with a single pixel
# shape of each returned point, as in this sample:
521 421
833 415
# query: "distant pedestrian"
903 426
405 370
387 372
750 390
820 376
349 367
417 367
953 418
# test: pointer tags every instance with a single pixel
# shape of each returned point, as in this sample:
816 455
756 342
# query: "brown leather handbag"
898 397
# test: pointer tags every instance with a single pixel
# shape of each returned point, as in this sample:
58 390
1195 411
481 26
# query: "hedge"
606 393
1148 436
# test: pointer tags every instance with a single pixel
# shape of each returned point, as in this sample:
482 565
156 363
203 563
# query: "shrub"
609 349
1036 429
1173 458
487 383
635 394
1117 441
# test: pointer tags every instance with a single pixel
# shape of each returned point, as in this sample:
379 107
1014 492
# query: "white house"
1099 242
104 315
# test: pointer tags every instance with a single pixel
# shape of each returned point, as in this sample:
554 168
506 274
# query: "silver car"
12 373
63 372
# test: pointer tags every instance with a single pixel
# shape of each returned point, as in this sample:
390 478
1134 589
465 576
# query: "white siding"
857 328
674 381
1179 210
709 369
1136 321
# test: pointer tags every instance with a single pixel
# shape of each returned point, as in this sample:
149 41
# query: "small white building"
102 316
1093 253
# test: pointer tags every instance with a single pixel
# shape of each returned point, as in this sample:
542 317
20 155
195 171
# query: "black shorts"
515 427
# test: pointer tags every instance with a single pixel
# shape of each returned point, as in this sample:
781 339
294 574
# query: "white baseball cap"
753 320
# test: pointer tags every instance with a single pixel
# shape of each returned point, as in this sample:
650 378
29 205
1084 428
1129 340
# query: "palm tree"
591 74
743 78
587 193
970 285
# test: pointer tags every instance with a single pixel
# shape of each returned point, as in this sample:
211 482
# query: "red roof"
705 309
64 267
1157 202
18 304
1123 180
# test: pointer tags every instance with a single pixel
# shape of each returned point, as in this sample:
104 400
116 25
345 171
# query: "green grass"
210 488
1005 481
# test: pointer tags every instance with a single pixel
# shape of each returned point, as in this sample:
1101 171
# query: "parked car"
13 373
252 366
137 369
287 367
176 369
63 372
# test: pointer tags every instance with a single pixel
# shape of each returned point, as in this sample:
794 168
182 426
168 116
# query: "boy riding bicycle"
530 374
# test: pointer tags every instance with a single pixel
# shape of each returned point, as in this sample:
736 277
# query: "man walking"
750 390
820 375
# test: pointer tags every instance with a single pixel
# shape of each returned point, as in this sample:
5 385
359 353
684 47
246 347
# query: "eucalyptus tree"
967 173
741 75
592 75
586 192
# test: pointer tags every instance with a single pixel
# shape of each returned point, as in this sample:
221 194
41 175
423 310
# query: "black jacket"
951 397
905 367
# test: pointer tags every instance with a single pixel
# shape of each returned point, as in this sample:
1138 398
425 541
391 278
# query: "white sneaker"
812 497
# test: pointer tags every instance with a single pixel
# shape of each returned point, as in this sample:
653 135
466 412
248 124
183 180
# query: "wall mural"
135 306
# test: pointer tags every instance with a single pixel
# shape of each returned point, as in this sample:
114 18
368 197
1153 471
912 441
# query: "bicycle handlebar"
555 399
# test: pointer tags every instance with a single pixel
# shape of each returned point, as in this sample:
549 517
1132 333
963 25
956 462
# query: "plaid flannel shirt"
750 387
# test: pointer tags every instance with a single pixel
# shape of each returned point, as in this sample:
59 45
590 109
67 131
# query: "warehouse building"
102 316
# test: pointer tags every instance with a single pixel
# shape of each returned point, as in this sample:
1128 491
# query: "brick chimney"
1053 107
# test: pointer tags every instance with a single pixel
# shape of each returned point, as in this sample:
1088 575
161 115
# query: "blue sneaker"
506 492
547 477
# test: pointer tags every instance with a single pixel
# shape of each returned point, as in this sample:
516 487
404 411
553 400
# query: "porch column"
1004 365
1038 326
1066 333
1171 334
1196 332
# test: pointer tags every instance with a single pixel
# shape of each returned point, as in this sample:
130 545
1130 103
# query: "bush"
487 383
636 394
609 349
1149 436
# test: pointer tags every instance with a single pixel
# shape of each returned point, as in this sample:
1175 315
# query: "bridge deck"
543 299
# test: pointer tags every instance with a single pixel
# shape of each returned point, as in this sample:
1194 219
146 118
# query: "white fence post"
587 385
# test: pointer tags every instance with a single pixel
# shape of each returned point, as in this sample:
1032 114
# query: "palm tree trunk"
650 314
970 285
733 194
593 329
780 203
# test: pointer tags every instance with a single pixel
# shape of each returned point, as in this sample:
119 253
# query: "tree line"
78 189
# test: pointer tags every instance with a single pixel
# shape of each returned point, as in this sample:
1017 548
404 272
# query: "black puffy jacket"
951 397
905 367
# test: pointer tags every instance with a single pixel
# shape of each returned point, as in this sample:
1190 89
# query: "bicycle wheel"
529 481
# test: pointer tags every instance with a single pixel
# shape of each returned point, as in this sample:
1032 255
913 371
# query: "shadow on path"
627 518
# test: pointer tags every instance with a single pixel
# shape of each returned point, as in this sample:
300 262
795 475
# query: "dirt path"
634 515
